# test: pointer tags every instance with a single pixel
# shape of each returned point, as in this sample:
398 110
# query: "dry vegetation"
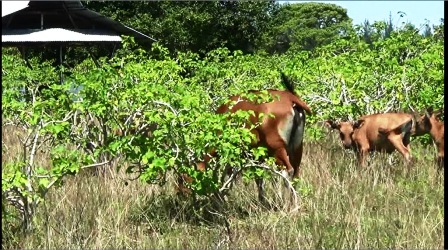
341 206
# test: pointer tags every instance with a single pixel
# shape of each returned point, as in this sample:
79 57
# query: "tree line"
246 26
249 26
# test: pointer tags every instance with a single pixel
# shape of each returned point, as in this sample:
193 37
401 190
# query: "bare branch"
177 151
30 163
167 105
226 185
96 164
315 97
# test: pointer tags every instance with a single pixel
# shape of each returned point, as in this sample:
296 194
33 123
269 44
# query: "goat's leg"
181 188
441 149
296 159
362 148
396 140
202 165
282 159
362 156
440 161
407 141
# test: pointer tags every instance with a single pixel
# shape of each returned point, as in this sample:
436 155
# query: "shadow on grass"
162 211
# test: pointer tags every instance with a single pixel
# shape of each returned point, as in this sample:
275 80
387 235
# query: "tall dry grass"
341 206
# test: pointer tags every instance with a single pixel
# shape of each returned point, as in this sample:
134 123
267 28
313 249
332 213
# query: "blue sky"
416 11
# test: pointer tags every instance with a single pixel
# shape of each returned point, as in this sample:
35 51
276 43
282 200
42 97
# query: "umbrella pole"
61 77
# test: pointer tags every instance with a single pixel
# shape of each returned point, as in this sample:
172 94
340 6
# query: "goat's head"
346 129
425 122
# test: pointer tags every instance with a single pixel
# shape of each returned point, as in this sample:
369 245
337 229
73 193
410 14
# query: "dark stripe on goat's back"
407 127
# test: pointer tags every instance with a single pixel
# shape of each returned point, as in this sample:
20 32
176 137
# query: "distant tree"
199 26
439 32
427 31
389 27
410 27
371 32
308 25
367 31
242 23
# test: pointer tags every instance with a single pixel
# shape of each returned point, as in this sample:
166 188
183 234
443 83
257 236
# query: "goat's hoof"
285 173
290 172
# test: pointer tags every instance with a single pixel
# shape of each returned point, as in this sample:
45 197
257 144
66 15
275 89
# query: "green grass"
341 206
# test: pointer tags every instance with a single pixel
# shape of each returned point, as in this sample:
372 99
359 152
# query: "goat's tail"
295 99
287 82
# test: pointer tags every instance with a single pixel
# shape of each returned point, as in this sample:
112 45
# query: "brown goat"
281 134
377 132
429 123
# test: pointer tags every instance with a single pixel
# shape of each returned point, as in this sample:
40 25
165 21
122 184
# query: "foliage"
155 111
43 118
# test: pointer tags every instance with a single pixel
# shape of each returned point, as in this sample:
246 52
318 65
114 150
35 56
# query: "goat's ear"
429 111
358 124
331 124
416 116
439 113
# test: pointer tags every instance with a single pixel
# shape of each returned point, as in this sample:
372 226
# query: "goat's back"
375 127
